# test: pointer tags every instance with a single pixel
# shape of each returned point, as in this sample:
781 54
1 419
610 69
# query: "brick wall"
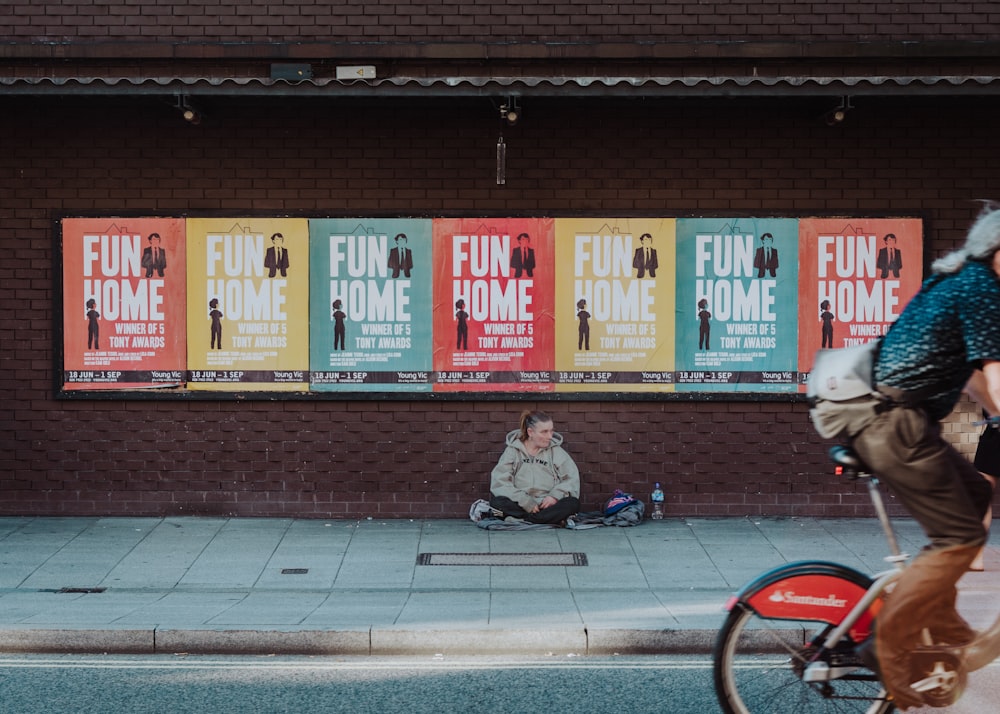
397 457
305 21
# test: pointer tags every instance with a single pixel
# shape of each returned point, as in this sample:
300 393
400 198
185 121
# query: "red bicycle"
790 640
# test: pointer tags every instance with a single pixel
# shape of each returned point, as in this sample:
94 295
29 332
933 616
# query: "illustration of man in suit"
766 257
889 257
276 258
400 257
645 257
153 256
522 258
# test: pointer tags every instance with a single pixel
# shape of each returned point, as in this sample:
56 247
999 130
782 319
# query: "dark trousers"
560 511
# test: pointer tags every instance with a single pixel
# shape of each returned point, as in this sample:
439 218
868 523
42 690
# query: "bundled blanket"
629 515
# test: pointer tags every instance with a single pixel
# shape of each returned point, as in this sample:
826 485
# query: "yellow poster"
248 304
615 304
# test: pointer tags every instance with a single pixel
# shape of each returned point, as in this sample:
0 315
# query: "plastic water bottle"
657 498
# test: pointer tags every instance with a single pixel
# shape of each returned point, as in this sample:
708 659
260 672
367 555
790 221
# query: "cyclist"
946 340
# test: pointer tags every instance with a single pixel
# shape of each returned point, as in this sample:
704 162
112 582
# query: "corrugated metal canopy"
521 86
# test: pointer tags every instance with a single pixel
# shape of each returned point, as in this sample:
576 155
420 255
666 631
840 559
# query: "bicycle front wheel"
759 665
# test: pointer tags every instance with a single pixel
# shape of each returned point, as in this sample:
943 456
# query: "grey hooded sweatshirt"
529 479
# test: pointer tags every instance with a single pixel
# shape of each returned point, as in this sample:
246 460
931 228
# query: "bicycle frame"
881 581
818 671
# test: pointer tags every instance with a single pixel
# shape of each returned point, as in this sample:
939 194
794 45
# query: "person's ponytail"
530 417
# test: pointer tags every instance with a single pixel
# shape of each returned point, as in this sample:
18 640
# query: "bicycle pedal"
938 675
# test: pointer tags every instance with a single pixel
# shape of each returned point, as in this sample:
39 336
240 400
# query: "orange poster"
123 303
855 277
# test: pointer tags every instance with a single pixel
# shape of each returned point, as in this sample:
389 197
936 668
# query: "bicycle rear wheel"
759 662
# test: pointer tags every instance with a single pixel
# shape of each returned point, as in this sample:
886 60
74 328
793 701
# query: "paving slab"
310 586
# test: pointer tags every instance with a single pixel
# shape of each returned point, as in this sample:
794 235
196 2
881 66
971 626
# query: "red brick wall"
398 457
305 21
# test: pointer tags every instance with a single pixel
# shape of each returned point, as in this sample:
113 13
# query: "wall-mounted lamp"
190 114
839 112
510 112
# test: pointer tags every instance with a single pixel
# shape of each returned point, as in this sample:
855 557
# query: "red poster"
124 297
855 277
494 298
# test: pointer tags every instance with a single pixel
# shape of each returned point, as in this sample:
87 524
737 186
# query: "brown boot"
923 597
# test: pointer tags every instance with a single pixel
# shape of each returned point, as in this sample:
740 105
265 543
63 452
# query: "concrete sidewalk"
292 586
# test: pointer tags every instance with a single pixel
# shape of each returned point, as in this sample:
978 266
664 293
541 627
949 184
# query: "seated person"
535 479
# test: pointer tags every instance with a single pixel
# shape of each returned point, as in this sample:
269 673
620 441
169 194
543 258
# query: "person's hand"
548 502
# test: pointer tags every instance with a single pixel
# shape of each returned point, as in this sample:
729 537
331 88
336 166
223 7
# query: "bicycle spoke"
759 667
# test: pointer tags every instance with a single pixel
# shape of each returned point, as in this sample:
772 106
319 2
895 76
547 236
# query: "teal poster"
736 305
370 305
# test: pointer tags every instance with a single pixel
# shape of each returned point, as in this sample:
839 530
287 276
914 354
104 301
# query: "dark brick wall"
304 21
398 457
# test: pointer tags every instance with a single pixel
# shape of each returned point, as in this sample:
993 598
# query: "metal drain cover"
503 559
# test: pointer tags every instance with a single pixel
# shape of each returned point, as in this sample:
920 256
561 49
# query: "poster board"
474 305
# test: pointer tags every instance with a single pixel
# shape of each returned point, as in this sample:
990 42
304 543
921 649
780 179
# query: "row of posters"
474 304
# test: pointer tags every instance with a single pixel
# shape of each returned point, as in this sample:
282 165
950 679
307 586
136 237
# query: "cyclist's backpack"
842 397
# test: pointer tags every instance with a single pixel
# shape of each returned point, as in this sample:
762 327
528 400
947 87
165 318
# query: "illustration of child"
705 328
216 314
583 342
339 331
827 317
93 327
463 326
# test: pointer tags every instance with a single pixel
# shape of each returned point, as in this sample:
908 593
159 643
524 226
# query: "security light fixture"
839 112
190 114
510 112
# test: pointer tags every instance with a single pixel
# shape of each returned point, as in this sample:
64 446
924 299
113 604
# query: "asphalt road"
179 684
168 684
